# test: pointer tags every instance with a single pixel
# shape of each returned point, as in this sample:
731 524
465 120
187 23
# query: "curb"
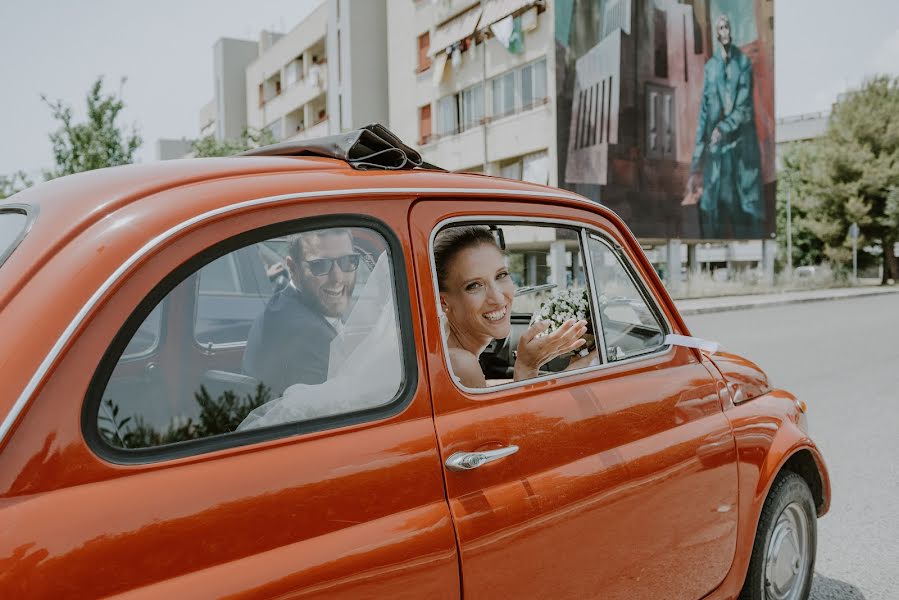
749 304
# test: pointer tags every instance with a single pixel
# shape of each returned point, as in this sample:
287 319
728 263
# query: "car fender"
769 434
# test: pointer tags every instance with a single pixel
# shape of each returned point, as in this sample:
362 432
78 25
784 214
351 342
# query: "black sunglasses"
322 266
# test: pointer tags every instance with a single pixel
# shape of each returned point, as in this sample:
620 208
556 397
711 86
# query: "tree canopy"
13 184
250 138
851 175
97 142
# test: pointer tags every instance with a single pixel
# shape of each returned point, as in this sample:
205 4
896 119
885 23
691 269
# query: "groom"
290 341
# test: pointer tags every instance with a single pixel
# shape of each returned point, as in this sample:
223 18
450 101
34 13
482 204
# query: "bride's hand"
535 351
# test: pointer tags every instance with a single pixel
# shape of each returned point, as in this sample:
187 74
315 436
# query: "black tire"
789 490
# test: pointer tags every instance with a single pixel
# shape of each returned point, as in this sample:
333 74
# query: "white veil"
365 365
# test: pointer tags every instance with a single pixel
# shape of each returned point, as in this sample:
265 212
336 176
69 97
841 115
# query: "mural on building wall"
666 113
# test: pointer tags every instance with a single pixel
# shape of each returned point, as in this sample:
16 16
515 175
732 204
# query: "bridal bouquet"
564 305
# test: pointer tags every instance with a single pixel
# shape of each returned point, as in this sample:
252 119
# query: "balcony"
300 93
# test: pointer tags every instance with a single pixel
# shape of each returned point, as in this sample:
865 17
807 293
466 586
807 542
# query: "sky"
164 48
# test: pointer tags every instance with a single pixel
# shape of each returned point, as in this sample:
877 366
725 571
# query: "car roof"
68 206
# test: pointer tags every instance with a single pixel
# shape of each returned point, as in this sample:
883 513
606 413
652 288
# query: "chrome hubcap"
787 555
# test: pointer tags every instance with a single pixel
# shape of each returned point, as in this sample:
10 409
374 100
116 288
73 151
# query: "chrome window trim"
30 211
581 227
66 336
599 332
163 304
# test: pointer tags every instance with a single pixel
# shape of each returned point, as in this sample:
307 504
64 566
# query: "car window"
309 336
12 227
628 324
233 289
147 336
498 280
220 276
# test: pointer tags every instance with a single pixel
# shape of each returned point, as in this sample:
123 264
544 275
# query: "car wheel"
783 555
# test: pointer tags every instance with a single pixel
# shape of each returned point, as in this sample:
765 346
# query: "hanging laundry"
456 55
508 33
474 51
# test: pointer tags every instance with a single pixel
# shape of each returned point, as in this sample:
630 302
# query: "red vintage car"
233 377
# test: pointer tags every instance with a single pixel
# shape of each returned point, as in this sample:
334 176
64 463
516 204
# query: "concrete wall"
368 63
230 60
357 69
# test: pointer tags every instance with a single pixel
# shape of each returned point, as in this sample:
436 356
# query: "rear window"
13 223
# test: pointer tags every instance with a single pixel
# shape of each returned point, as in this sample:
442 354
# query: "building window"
424 46
660 115
448 115
472 106
424 124
504 94
533 84
519 89
527 86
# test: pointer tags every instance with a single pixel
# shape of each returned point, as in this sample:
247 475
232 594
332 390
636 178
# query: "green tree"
217 416
13 184
250 138
808 249
97 142
855 167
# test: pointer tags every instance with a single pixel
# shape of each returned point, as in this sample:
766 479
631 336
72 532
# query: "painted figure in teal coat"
727 146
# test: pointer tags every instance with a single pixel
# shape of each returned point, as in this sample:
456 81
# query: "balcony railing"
463 127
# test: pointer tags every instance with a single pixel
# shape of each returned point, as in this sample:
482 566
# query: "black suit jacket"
290 342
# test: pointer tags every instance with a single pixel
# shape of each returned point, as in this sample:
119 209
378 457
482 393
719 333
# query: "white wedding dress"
365 366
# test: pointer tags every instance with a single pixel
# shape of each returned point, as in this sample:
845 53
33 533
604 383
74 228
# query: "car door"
346 502
624 482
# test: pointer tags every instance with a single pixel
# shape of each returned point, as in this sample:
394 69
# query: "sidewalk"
698 306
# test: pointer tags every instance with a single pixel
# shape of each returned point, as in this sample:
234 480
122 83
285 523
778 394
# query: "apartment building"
302 86
286 84
473 82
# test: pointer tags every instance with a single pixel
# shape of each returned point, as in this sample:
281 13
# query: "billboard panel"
666 113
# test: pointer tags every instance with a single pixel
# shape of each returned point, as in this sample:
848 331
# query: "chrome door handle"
466 461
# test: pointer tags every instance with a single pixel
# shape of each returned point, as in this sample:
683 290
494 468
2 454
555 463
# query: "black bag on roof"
372 147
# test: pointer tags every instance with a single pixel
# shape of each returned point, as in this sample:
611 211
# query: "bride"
476 294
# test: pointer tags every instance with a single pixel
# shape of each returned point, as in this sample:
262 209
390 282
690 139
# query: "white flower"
561 306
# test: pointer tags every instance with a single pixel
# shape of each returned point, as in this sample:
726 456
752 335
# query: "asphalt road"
842 358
